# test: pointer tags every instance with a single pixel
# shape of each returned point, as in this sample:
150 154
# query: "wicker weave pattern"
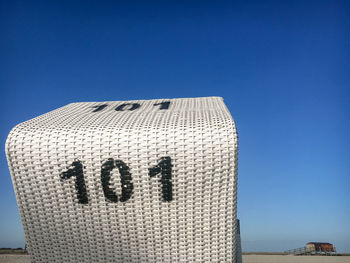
198 225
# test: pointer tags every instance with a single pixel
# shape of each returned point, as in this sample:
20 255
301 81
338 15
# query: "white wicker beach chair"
128 181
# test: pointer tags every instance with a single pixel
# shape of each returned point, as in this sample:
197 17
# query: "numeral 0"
125 179
164 168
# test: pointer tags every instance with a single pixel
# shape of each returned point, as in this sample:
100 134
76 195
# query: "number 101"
163 168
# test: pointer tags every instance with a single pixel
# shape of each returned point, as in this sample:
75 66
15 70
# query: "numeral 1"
164 168
99 107
76 169
163 105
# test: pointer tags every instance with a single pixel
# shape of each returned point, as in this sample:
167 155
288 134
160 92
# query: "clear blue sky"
282 67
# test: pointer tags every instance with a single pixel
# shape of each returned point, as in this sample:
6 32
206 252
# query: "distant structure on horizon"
314 248
320 247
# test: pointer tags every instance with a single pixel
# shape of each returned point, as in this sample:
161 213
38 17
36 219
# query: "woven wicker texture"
128 181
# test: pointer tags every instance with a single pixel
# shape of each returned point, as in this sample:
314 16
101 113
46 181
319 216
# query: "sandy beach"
246 259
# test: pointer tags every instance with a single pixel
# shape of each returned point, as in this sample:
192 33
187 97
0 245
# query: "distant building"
314 248
320 247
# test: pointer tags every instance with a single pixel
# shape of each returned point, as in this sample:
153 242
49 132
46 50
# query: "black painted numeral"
76 169
164 168
99 107
125 179
134 106
163 105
